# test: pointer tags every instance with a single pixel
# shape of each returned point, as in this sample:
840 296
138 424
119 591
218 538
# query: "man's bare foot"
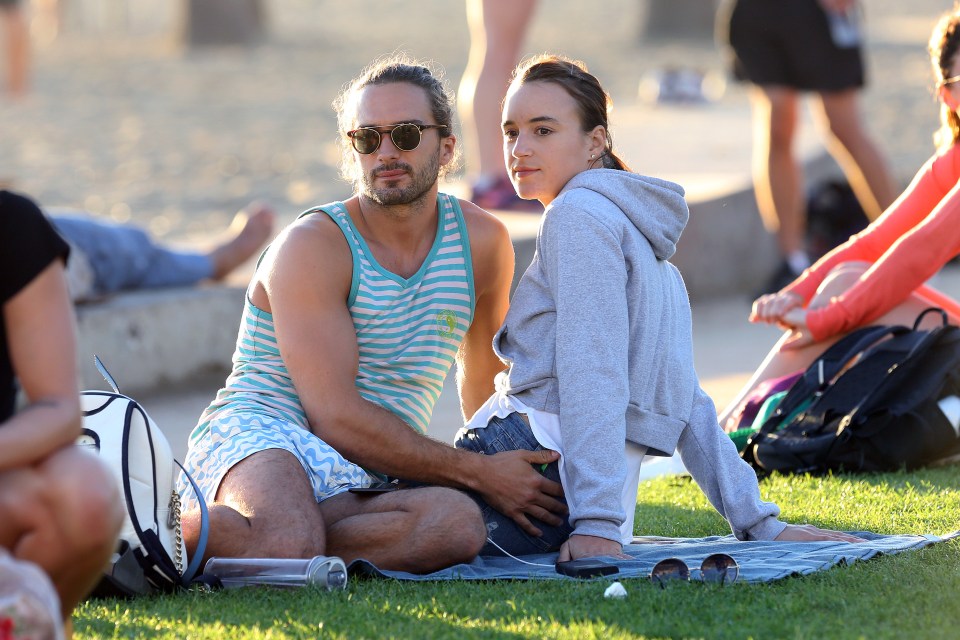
250 229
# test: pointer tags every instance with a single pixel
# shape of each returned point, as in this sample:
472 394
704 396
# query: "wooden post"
224 22
667 19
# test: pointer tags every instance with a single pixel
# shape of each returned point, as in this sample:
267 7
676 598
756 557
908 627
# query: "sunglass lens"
406 137
669 570
366 140
719 567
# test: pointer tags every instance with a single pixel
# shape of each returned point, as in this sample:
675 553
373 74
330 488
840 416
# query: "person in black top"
59 506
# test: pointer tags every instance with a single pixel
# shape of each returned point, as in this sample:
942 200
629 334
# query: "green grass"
910 595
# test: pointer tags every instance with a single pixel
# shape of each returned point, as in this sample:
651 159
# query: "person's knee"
781 134
82 494
22 504
457 521
266 504
781 113
839 280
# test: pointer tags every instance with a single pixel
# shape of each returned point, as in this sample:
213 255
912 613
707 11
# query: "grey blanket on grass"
759 561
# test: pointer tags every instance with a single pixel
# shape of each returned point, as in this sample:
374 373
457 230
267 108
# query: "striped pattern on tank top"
408 331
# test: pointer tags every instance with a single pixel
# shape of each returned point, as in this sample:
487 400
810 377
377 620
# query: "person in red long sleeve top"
878 276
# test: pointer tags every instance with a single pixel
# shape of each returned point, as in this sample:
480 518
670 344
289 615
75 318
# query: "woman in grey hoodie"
597 342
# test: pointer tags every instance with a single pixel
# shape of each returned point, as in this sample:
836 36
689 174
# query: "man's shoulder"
481 224
312 233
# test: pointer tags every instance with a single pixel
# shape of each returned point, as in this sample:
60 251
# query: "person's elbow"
342 426
65 419
72 416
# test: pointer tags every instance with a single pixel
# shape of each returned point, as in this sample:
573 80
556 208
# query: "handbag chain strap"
177 531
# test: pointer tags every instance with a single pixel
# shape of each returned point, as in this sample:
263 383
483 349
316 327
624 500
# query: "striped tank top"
408 332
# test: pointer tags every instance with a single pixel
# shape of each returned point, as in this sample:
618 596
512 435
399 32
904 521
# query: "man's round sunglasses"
406 136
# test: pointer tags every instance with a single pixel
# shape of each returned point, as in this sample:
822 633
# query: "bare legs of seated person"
781 360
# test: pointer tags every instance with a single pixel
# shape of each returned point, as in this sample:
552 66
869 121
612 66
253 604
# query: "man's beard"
420 183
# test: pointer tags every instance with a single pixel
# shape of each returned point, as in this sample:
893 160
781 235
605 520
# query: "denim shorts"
509 434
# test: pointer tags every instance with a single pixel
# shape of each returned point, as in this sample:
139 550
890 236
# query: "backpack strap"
918 342
106 374
151 542
194 567
944 318
818 375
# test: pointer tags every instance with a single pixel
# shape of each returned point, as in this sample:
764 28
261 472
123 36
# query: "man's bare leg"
416 530
265 507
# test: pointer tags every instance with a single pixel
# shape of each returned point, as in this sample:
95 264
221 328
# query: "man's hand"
810 533
578 546
513 487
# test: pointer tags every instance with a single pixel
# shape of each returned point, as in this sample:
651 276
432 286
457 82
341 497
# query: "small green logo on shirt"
446 323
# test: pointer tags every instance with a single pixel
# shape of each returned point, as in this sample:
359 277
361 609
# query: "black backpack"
881 413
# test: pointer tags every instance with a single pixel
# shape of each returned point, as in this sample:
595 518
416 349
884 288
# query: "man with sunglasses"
352 321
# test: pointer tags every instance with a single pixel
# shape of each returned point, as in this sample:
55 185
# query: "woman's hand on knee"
772 308
795 321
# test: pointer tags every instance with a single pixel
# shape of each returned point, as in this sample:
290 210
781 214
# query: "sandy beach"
126 122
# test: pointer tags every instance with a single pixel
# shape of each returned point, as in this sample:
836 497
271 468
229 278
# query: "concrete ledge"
156 338
159 339
725 249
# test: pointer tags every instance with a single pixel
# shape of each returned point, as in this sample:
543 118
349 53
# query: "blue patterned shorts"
235 436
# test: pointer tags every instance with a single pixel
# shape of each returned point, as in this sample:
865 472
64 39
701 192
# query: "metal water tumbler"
325 571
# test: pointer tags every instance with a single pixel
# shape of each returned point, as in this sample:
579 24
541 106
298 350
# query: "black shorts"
8 3
788 43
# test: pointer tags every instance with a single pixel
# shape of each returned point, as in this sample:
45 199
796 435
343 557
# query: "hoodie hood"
655 207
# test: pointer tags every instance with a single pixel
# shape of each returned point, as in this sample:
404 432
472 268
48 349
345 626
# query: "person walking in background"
786 48
60 508
597 342
351 323
878 276
16 35
107 257
497 29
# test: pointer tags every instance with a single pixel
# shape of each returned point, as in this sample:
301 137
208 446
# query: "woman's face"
544 145
950 88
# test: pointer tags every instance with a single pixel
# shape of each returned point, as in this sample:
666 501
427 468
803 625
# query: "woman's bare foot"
250 229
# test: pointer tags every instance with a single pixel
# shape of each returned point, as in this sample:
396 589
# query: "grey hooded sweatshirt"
599 333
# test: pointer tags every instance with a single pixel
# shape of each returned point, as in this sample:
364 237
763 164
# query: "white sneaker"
29 605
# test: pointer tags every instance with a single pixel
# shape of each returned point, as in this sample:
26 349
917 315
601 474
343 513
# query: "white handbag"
151 555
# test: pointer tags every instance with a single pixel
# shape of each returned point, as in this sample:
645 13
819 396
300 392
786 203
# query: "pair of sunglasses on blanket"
718 567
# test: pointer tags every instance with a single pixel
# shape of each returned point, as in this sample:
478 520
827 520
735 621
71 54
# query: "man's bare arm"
305 284
493 264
